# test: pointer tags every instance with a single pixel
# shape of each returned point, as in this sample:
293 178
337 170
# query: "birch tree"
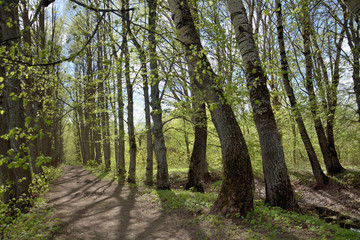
237 190
279 191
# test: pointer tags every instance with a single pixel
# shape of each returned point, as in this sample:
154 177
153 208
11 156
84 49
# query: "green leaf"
27 120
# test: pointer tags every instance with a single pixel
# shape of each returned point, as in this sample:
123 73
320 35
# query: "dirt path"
89 208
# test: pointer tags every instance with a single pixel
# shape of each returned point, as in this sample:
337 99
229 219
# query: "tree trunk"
334 166
7 177
332 104
106 145
120 162
237 189
331 166
31 106
353 37
198 156
279 191
186 139
149 142
129 89
15 106
321 178
162 175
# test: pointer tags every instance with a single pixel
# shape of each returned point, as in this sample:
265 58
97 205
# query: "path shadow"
90 208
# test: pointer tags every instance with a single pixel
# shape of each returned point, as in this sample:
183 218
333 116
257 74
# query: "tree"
14 109
149 141
129 88
236 194
7 178
352 25
162 175
330 158
321 178
277 182
197 168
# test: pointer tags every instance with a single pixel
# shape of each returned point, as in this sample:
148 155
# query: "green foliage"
38 224
175 199
277 221
349 178
264 222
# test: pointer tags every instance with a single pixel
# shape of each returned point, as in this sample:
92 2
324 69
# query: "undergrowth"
264 222
38 222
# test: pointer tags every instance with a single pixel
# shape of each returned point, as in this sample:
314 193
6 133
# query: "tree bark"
321 178
279 191
330 162
237 191
162 174
120 162
32 105
353 37
333 166
7 177
197 166
332 104
149 141
9 25
129 89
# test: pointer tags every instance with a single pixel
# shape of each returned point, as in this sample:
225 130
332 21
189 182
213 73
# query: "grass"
39 222
264 222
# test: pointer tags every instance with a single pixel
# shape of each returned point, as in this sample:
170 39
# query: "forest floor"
91 208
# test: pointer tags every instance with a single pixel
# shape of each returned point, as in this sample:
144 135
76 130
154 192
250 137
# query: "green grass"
264 222
39 222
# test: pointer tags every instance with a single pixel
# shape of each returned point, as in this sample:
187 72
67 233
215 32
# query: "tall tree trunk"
149 141
103 108
120 161
186 139
7 177
97 136
162 175
116 131
9 25
279 191
90 104
107 147
353 37
321 178
330 105
82 132
330 164
197 166
129 89
237 189
31 106
45 102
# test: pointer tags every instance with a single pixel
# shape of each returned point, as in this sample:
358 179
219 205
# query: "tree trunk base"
195 187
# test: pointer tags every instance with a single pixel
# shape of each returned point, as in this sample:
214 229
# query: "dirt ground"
90 208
